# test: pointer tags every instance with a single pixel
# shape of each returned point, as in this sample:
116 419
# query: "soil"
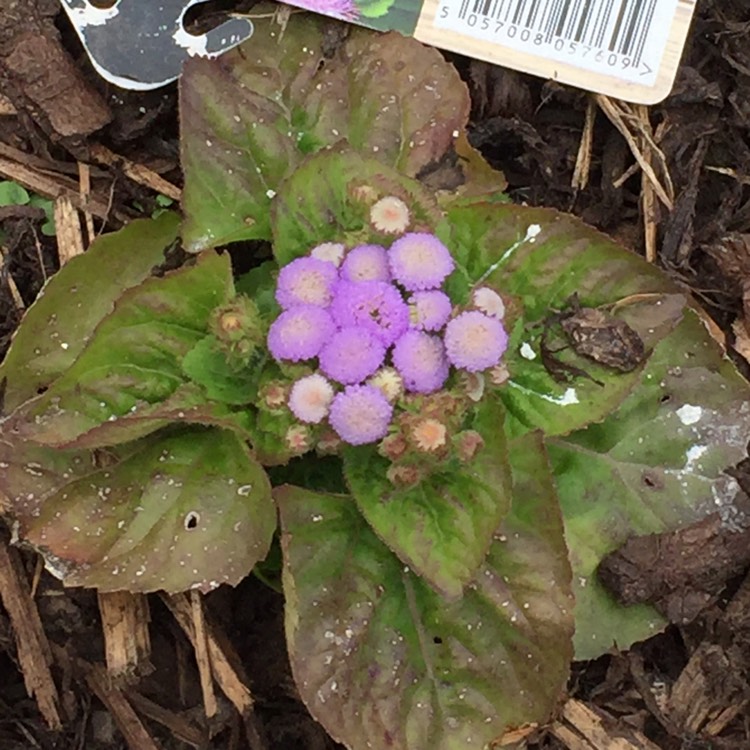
685 689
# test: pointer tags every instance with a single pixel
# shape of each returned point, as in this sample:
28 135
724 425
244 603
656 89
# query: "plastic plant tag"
629 49
141 44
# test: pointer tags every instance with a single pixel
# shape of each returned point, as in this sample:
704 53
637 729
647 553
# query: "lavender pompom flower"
429 310
420 261
351 355
475 341
310 398
366 263
306 281
374 305
299 333
360 414
420 358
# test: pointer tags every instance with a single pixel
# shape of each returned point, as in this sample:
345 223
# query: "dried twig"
34 654
125 619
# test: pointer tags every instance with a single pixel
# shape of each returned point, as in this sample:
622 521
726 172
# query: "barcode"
624 38
617 26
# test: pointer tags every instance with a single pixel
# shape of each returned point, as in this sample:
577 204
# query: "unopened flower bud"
404 475
499 374
329 443
472 383
238 328
392 446
364 193
468 444
274 395
442 405
298 439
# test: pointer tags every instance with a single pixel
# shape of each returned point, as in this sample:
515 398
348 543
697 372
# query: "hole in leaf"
652 481
191 520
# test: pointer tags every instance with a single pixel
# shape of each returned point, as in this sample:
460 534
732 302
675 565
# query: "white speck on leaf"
567 399
689 414
527 352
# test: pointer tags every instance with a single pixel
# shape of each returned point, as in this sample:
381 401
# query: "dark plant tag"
140 44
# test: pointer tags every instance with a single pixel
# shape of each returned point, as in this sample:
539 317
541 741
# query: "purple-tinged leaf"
654 465
58 325
192 510
251 117
541 258
443 526
132 364
384 662
318 204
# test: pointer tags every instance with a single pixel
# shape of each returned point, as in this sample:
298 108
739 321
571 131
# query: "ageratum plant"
383 339
397 379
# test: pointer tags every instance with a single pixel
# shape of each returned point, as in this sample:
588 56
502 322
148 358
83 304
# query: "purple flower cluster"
379 325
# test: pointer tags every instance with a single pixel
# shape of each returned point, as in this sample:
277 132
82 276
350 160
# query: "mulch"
671 181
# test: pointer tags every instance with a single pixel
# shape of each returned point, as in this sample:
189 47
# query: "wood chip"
200 643
225 665
84 183
12 286
584 728
182 728
7 108
34 654
136 172
40 77
68 230
227 676
583 158
649 207
629 125
56 185
135 733
125 619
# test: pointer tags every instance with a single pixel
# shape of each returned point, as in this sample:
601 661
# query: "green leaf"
48 227
374 8
13 194
59 324
316 204
133 363
259 284
249 120
383 661
206 365
541 258
443 526
652 466
177 512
